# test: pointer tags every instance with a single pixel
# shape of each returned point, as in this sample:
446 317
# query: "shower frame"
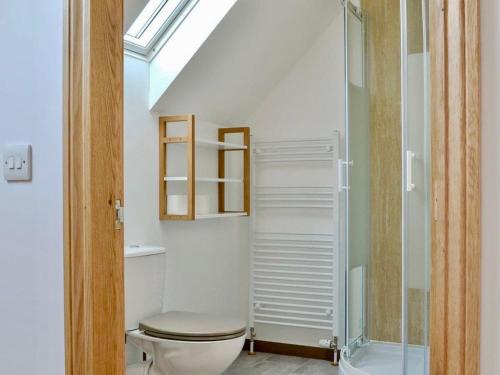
455 213
93 245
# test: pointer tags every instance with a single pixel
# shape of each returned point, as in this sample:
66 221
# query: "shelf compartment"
164 142
192 143
204 179
245 132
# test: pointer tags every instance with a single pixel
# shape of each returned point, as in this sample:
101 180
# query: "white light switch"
17 162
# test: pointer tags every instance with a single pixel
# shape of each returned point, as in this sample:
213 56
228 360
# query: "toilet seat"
189 326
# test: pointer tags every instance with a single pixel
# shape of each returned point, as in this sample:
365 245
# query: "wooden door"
93 141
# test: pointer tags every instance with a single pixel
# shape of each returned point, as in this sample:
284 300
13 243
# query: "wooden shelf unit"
246 166
190 177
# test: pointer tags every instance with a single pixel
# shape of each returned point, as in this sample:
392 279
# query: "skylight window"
157 21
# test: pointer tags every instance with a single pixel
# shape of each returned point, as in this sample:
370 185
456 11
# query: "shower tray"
379 358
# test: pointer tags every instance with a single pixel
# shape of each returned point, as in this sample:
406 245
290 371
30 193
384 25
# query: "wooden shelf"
204 179
205 142
192 143
221 145
221 215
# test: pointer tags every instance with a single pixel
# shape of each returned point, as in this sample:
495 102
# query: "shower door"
416 184
386 174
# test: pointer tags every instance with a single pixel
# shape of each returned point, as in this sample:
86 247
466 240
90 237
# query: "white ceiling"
249 52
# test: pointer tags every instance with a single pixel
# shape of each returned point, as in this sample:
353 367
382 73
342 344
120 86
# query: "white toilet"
178 342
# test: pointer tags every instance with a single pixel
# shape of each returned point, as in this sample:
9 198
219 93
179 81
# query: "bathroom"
276 174
325 198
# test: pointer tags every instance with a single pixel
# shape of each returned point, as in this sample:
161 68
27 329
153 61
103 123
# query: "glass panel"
374 135
385 270
357 172
155 19
141 23
388 143
417 187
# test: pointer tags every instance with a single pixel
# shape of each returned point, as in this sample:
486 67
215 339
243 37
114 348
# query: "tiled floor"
271 364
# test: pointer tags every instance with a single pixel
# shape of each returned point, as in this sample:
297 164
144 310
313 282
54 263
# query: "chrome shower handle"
342 165
410 186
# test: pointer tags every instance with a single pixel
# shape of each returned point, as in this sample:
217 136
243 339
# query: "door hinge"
119 214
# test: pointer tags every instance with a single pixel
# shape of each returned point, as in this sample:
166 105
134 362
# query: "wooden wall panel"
456 208
384 81
439 115
473 191
384 66
93 182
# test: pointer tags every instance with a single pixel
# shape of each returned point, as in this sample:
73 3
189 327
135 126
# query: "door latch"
119 214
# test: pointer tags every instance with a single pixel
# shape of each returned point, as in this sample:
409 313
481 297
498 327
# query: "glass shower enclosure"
386 187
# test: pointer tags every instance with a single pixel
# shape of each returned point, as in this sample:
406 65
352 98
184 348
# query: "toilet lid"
188 326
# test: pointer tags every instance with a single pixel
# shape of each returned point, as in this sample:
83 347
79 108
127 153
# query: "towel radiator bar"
295 275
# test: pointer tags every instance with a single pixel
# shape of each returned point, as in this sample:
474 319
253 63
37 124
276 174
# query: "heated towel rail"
294 268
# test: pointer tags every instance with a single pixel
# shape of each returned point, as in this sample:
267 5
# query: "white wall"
248 53
140 166
31 250
308 102
207 261
140 158
490 180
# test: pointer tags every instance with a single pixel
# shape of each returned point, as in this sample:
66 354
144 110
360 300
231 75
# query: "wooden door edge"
93 182
455 286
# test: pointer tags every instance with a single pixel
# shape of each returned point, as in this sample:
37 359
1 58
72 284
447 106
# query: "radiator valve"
333 345
252 341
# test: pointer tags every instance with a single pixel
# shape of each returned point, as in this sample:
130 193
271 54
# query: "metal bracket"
119 214
335 348
251 351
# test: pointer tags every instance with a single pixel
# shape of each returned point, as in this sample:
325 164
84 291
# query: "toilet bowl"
178 342
185 343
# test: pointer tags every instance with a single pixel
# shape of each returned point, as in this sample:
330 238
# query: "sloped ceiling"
249 52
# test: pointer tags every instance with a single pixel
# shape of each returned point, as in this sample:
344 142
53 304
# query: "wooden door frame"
456 249
93 176
93 182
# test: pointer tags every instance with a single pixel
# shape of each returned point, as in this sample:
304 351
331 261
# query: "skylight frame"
155 24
